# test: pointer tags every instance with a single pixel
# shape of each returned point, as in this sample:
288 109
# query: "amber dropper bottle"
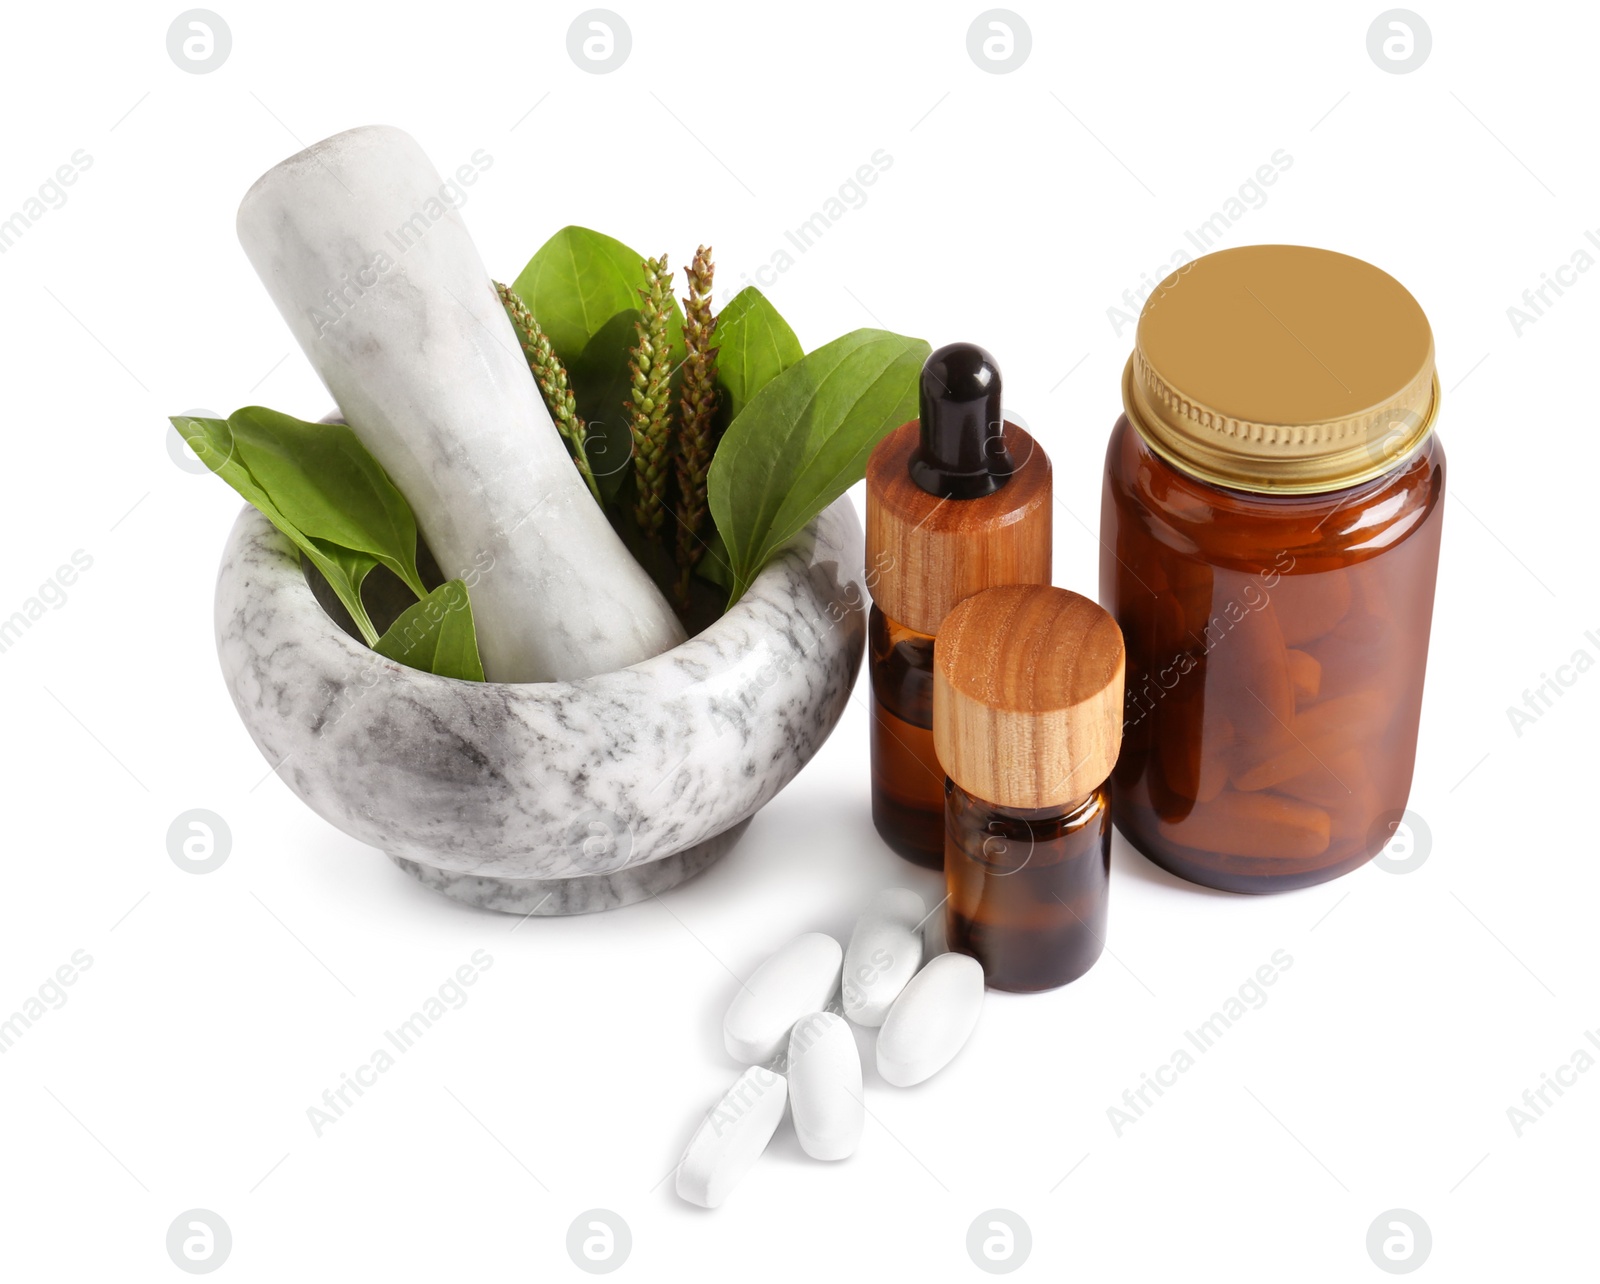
958 500
1027 718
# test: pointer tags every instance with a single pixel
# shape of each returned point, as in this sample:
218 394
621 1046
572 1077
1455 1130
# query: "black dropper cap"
963 454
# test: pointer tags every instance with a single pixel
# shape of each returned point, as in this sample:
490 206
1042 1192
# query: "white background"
1017 209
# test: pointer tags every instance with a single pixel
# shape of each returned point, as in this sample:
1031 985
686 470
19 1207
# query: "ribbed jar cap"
1282 368
1027 696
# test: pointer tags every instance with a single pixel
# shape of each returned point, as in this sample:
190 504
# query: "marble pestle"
358 241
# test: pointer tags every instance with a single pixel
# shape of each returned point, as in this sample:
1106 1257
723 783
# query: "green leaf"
346 571
599 379
436 635
713 565
804 440
754 345
578 281
324 480
313 510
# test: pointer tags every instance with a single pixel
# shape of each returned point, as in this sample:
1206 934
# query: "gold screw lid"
1027 695
1282 368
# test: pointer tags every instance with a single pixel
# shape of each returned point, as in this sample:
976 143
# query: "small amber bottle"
958 501
1027 720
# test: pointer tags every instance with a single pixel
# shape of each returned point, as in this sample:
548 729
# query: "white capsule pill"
931 1020
825 1086
731 1138
799 978
885 951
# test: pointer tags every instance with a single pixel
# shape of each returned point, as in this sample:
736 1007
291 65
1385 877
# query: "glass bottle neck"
1067 813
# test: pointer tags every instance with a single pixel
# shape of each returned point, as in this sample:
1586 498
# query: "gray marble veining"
498 793
581 894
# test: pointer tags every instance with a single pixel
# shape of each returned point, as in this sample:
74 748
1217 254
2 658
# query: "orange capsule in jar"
1270 526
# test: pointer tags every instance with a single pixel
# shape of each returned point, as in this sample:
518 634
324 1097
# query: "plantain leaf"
754 345
323 480
436 635
804 440
212 441
578 281
713 565
318 485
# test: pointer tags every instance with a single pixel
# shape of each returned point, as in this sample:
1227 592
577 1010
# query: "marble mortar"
551 797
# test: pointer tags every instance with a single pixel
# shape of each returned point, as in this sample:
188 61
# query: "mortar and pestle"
607 757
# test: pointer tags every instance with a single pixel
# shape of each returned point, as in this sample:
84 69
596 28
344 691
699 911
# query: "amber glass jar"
1270 529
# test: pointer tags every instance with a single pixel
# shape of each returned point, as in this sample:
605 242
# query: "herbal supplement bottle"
1027 717
1270 537
957 501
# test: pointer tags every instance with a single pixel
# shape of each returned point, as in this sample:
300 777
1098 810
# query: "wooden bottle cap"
925 553
1027 695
